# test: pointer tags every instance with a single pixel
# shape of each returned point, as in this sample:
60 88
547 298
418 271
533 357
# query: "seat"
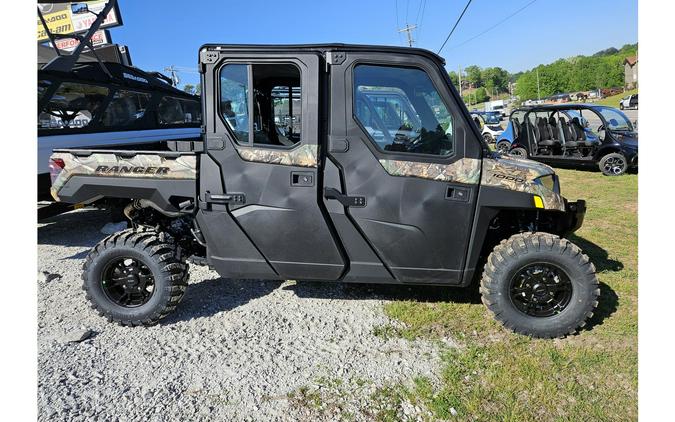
544 138
568 135
581 134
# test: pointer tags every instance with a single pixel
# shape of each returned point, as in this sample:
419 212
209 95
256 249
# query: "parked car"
575 135
630 101
488 123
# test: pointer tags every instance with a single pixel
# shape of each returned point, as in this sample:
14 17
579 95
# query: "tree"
189 88
473 76
454 78
495 79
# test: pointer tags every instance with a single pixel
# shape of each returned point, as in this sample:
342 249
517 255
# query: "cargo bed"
167 178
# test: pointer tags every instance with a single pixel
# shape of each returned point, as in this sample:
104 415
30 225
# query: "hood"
629 139
517 174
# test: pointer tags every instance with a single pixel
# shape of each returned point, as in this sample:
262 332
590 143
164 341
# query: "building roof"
631 60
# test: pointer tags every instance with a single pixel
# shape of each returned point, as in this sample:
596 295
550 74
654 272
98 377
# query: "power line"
456 23
495 25
397 23
418 19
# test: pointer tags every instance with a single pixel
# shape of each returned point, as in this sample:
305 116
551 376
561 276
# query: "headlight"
550 182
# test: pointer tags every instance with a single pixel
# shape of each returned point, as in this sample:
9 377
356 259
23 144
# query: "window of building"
275 103
73 105
125 108
402 111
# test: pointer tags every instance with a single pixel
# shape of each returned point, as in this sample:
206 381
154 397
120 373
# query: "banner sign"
100 37
74 18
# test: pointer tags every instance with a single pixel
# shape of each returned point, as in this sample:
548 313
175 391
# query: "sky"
170 32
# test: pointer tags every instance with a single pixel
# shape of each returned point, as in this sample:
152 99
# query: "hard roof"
322 48
561 106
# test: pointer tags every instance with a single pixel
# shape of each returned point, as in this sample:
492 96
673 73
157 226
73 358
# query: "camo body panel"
519 175
465 170
303 156
182 167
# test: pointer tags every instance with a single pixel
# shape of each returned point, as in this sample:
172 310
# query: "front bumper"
575 212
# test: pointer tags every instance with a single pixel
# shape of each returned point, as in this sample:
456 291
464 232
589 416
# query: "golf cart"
488 123
573 135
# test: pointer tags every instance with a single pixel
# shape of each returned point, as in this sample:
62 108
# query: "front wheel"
621 106
134 277
613 164
503 146
540 285
518 152
488 138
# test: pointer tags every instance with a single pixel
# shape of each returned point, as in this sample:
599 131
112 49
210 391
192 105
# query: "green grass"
613 101
497 375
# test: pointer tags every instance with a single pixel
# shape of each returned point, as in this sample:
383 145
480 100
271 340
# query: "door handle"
456 193
347 201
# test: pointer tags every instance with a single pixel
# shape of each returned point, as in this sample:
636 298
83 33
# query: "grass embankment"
613 101
496 375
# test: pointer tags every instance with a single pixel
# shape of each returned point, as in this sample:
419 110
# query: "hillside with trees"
603 69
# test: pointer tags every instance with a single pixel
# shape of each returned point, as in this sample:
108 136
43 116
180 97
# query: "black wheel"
613 164
504 147
621 106
134 277
518 152
488 138
540 285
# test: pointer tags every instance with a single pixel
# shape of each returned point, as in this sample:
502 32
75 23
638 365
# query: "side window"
72 106
125 108
172 111
192 111
276 101
234 99
402 111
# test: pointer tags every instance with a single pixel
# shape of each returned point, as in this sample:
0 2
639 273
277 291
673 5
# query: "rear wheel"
540 285
518 152
134 277
613 164
503 146
488 138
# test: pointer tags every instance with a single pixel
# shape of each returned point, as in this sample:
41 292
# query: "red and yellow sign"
72 18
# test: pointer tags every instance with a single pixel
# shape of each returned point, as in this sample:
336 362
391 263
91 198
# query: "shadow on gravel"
357 291
75 228
598 255
607 305
209 297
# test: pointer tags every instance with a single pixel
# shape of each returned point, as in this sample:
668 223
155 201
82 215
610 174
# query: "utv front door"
259 180
408 189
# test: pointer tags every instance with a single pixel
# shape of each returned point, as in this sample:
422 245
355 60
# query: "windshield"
492 118
615 119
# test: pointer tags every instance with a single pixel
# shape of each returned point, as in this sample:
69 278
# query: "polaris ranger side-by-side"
299 175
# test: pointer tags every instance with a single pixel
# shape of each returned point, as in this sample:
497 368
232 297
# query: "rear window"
73 105
125 108
173 111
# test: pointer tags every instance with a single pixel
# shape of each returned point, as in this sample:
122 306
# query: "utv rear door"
261 213
407 185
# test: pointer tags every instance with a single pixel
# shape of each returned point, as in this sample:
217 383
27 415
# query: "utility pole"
174 76
408 30
538 92
459 75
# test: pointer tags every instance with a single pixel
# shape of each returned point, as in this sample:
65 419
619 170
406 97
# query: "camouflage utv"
333 163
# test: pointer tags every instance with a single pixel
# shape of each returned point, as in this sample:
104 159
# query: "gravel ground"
233 350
